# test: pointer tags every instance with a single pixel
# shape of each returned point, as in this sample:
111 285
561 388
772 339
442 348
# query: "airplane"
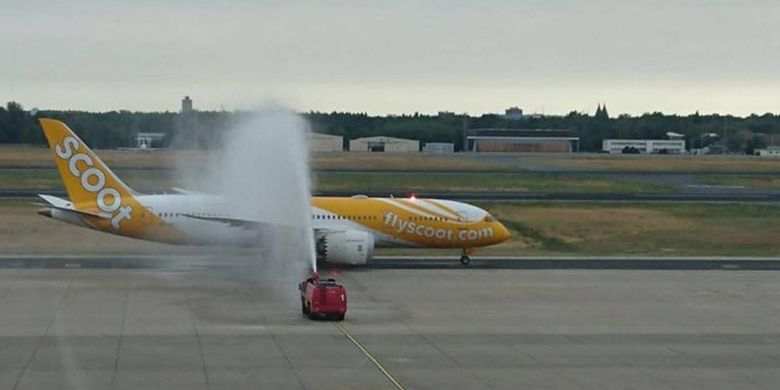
346 229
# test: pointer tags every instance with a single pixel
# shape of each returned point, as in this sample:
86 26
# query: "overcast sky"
550 56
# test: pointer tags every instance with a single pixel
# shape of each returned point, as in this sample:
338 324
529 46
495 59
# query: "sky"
392 57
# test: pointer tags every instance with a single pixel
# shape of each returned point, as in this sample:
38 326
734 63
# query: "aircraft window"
489 218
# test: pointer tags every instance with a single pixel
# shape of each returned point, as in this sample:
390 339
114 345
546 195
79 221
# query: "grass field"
41 157
538 229
479 182
654 229
42 179
655 163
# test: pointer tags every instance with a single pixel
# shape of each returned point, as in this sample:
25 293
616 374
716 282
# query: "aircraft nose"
502 233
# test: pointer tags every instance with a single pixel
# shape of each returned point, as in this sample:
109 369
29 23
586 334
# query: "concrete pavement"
223 324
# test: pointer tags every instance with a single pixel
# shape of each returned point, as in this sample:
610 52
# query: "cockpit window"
489 218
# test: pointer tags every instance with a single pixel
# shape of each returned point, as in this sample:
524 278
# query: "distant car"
323 298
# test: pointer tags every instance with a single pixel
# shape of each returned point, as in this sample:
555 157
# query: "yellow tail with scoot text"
93 188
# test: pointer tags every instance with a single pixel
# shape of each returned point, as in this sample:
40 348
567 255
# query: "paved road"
402 262
216 323
458 171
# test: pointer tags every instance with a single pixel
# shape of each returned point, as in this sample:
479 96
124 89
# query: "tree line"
204 129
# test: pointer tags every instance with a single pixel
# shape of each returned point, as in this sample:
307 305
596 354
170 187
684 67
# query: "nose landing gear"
465 257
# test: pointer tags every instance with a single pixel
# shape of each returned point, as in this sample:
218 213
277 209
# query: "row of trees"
204 128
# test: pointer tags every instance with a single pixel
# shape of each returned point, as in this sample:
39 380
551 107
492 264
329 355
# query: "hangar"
528 141
384 144
325 143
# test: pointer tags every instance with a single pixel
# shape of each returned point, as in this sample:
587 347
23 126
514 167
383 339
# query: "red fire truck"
323 298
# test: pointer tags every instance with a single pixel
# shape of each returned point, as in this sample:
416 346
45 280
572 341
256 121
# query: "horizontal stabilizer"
54 202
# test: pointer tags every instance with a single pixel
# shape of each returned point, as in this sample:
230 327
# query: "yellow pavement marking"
370 357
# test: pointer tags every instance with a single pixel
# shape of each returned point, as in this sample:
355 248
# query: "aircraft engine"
351 247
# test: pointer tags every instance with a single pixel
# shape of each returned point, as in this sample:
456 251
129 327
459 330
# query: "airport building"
149 140
186 105
772 151
384 144
326 143
513 113
521 141
439 147
644 146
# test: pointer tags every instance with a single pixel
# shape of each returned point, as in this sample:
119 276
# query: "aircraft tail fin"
87 179
91 186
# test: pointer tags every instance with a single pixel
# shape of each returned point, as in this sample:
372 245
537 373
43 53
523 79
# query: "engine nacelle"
352 247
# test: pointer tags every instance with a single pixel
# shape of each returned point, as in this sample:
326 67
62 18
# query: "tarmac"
713 195
230 323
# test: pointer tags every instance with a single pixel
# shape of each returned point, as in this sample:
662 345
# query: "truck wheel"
309 313
465 260
339 317
304 309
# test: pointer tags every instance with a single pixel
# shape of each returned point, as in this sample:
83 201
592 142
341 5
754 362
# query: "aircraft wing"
234 222
183 191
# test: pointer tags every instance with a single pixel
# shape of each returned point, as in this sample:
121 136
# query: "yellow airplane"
346 229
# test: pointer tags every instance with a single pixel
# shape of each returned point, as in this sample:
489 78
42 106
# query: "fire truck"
323 298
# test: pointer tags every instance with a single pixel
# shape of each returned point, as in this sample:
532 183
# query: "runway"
413 170
218 322
183 262
211 322
713 196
